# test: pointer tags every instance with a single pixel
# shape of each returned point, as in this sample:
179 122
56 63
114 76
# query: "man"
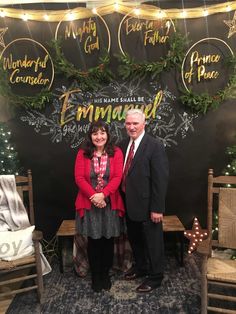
145 177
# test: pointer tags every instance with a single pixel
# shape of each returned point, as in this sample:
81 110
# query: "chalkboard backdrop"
47 140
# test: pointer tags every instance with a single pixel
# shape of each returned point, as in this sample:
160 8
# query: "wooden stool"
173 224
66 229
170 224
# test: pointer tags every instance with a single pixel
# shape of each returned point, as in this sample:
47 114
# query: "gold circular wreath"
198 42
35 42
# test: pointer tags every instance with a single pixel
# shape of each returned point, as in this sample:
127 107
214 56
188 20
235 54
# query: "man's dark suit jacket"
146 181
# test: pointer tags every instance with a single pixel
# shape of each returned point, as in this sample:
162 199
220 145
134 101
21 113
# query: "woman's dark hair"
88 145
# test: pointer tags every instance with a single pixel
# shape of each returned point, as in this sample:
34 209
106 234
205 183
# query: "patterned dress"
100 222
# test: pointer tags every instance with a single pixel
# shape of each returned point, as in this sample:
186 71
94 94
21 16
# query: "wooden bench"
170 224
173 224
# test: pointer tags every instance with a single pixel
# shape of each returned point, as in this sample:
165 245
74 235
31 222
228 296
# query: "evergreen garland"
87 80
131 69
202 102
128 69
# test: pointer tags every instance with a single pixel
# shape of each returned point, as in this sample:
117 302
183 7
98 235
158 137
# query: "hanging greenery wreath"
87 80
37 101
128 69
131 69
203 102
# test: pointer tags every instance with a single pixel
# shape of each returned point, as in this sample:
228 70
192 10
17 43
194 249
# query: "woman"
98 172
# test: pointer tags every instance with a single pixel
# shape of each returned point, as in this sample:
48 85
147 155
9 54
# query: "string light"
147 11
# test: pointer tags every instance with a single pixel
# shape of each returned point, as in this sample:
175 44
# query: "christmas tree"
9 163
230 170
231 167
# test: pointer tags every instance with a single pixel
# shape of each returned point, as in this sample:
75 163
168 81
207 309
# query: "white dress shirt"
136 145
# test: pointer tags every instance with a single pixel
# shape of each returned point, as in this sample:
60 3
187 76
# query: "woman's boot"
106 281
107 261
94 257
96 282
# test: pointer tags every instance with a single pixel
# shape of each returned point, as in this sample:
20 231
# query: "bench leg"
179 247
60 254
181 237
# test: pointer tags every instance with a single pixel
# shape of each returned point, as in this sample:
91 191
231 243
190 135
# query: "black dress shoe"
133 274
148 285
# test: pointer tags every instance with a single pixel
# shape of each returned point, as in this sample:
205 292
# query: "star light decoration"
196 235
232 25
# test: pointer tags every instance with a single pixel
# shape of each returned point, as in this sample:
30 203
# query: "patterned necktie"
127 165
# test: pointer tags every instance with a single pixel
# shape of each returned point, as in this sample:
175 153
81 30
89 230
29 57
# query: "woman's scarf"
100 169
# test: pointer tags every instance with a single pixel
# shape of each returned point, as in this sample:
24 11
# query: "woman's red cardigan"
82 179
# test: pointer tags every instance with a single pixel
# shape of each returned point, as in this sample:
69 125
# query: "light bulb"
116 6
2 14
71 16
136 11
160 14
24 17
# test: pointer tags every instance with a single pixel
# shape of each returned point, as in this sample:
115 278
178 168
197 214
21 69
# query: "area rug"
67 293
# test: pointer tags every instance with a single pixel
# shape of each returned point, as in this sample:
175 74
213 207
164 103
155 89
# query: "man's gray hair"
135 111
